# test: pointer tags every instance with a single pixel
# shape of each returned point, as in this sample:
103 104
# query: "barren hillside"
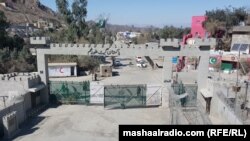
27 11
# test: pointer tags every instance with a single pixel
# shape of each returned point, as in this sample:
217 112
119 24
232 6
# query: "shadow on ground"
28 127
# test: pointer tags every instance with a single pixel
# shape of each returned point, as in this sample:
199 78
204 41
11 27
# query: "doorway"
72 71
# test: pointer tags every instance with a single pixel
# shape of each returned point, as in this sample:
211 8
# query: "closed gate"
154 95
70 92
123 96
96 93
190 99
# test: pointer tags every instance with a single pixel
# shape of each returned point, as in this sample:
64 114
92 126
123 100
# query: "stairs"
150 61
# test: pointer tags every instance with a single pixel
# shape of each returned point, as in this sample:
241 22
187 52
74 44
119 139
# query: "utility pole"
246 100
221 53
237 81
238 68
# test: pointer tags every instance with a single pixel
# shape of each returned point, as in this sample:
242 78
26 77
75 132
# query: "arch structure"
167 48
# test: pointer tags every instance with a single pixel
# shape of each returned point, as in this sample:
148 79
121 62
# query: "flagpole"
221 53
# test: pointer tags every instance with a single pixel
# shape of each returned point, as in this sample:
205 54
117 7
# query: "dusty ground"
131 74
88 123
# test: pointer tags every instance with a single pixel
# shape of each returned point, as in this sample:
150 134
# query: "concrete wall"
10 123
38 40
19 83
242 39
12 88
42 66
27 102
19 108
27 79
33 81
16 88
220 110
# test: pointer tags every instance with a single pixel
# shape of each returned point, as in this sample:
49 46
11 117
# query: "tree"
220 21
74 17
173 32
79 13
3 22
62 6
224 19
96 36
13 56
3 25
230 16
88 62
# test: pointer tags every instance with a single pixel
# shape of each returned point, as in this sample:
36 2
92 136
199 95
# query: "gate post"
42 68
167 69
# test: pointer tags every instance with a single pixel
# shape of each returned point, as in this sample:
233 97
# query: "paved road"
88 123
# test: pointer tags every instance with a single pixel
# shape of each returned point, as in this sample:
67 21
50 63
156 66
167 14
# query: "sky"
152 12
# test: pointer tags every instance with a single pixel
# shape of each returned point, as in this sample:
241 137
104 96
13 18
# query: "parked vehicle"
141 64
117 63
138 59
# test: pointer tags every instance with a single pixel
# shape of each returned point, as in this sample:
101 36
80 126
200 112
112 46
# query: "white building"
62 69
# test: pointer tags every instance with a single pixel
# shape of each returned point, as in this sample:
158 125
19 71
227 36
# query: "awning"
229 58
36 88
206 93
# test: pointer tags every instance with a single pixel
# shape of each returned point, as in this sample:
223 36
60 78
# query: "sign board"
175 60
96 93
213 60
60 71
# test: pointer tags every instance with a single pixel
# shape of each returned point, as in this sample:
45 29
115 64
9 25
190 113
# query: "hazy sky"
152 12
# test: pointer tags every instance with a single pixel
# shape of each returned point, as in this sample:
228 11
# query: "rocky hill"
27 11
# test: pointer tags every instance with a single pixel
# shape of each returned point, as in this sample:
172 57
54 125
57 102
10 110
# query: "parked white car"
138 59
141 64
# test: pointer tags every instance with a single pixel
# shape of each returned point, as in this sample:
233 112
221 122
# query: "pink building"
197 29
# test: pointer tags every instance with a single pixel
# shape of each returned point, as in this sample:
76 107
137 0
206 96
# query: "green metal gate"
191 89
70 92
124 96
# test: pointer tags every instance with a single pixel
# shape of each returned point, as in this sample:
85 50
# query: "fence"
185 108
236 103
71 92
189 92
